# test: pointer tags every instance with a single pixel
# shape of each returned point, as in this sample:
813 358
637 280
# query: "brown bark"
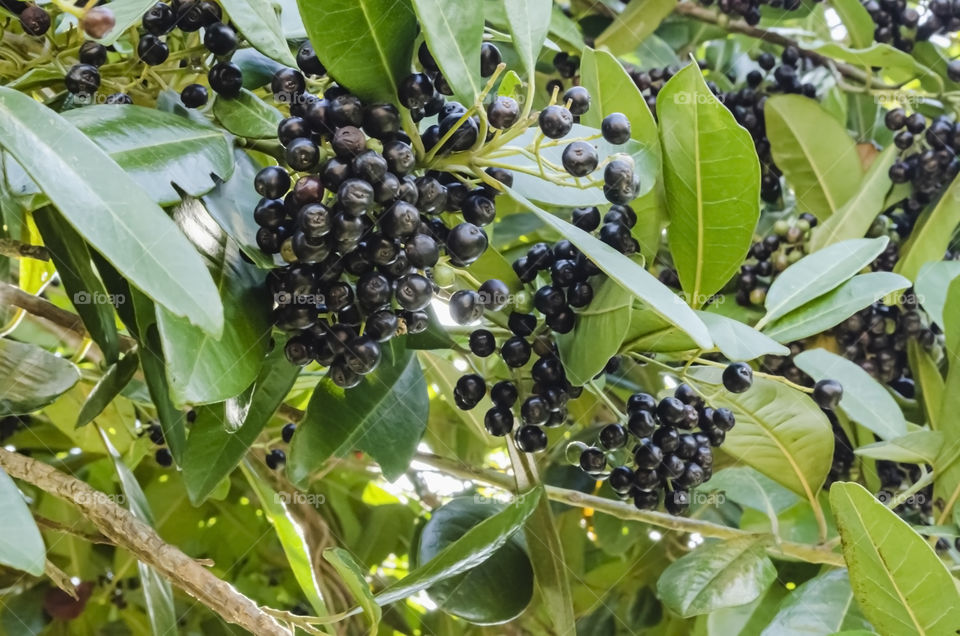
120 526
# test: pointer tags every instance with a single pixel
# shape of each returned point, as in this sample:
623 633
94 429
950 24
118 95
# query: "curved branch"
789 549
695 11
122 528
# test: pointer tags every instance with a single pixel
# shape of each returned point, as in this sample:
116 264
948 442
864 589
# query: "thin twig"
15 249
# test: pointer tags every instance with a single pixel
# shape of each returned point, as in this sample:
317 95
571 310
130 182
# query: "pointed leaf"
598 333
476 545
31 378
454 32
202 369
109 209
353 577
836 306
712 178
21 545
822 605
213 452
113 381
854 219
817 156
931 286
816 274
525 20
901 585
385 415
70 254
718 574
366 45
738 341
291 536
247 116
259 23
929 381
918 447
932 233
640 19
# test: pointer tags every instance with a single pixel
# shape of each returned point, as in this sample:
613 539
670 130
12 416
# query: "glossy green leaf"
932 233
748 487
816 274
111 383
857 21
493 592
865 401
525 20
126 13
212 451
158 149
738 341
172 419
257 68
899 65
946 487
292 540
259 23
780 431
366 45
230 203
474 547
712 178
612 90
627 273
822 605
918 447
598 333
109 209
31 378
854 219
21 545
817 156
247 116
454 31
70 254
202 369
630 28
385 415
836 306
929 381
717 574
157 590
931 286
354 578
899 582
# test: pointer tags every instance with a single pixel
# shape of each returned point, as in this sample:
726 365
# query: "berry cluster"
747 104
784 246
155 433
670 445
929 161
749 10
942 16
896 23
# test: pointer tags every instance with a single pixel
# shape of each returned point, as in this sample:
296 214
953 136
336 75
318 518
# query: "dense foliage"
503 316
